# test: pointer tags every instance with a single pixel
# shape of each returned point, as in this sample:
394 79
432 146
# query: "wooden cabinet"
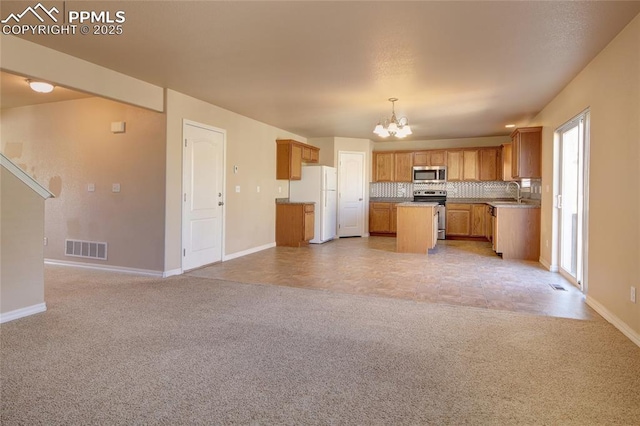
506 162
454 166
489 164
458 221
516 233
290 155
526 153
403 167
392 166
430 158
470 165
488 223
463 165
383 166
294 224
478 224
416 229
383 218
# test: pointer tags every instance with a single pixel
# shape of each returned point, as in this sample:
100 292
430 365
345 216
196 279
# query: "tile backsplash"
494 189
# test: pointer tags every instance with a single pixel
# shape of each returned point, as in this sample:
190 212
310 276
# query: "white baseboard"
172 272
249 251
617 322
551 268
94 266
23 312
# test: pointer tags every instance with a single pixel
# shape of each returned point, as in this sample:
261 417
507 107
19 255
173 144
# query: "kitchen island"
417 227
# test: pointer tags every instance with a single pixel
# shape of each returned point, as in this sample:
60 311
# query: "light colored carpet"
119 349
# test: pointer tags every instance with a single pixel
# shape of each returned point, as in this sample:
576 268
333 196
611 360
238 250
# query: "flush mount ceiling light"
40 86
393 126
509 126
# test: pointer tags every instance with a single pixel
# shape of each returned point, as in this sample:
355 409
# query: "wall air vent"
88 249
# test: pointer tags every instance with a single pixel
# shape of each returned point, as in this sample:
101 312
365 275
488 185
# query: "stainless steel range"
434 196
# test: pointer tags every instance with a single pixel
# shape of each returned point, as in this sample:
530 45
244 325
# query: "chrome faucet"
518 195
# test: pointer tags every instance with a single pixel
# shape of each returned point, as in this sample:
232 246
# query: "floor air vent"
558 287
88 249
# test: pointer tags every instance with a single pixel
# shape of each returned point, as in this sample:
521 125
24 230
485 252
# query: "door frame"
365 196
586 115
186 122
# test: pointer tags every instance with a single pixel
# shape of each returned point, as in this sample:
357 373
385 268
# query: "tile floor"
455 273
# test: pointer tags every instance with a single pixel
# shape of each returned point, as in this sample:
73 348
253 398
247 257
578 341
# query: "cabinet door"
393 220
403 167
470 169
506 162
478 220
515 154
528 152
438 158
489 164
454 166
379 217
458 220
315 155
421 158
309 223
383 163
488 224
296 162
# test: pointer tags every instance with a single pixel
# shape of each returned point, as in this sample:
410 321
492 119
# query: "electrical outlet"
46 241
91 187
237 188
633 294
279 190
115 187
258 189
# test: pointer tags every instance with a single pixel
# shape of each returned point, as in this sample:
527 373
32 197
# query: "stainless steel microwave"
429 174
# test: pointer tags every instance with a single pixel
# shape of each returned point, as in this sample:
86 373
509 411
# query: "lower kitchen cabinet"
458 222
383 218
294 224
516 233
478 220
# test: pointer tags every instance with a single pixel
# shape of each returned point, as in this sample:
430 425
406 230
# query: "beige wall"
250 145
67 145
397 145
32 60
21 230
610 87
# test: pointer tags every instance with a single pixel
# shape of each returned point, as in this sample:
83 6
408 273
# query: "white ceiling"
459 69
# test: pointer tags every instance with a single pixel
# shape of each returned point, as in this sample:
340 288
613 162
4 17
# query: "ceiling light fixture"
40 86
393 126
509 126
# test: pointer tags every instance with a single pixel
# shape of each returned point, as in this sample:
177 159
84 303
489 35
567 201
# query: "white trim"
25 178
23 312
548 266
172 272
614 320
246 252
96 267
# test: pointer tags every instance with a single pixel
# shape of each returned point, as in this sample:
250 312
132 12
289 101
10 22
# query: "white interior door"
203 201
351 187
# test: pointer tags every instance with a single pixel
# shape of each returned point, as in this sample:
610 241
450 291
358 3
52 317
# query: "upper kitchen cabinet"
526 153
489 163
392 166
430 158
290 155
463 165
505 164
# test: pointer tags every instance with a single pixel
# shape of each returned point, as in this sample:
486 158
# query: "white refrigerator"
318 185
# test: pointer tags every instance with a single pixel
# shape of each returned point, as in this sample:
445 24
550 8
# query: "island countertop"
417 204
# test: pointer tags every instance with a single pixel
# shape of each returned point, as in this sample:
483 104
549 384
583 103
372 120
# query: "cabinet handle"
220 203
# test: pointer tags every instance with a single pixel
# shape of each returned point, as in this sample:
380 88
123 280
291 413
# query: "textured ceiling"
459 69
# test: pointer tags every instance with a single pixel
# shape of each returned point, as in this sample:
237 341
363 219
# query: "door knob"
220 203
359 199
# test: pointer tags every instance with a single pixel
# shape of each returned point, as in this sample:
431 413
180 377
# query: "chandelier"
393 126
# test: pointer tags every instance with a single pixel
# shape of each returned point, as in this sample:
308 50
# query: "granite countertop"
513 205
497 202
419 204
390 199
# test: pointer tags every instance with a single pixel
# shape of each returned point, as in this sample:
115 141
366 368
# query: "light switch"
258 189
115 187
237 188
91 187
118 127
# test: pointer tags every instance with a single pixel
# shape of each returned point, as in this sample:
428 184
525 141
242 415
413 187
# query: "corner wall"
610 87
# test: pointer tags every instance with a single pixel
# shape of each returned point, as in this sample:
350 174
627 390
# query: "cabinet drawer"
457 206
